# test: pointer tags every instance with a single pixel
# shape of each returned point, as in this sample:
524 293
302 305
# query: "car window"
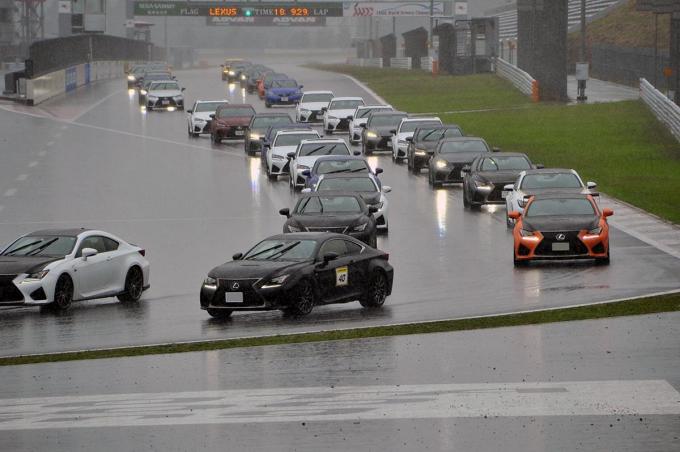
288 249
333 246
41 246
293 139
561 206
235 112
345 104
169 86
341 166
318 149
203 107
505 163
328 204
362 184
111 245
451 147
353 248
94 241
550 180
266 121
385 120
284 84
452 132
317 97
410 126
366 112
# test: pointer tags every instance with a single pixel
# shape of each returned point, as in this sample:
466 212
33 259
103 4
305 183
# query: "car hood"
328 220
316 106
383 131
14 265
401 136
426 145
234 121
500 177
284 91
560 223
165 93
358 121
370 197
251 269
307 161
342 114
283 150
204 115
463 158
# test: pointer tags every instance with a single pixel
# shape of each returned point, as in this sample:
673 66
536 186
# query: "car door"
334 279
91 273
116 267
358 269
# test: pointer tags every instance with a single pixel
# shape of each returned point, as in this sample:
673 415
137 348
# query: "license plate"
504 194
234 297
165 102
284 99
239 132
560 246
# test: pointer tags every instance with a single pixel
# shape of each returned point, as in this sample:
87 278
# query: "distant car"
259 124
240 69
284 142
146 77
366 185
145 83
485 177
310 107
421 145
283 92
543 181
198 118
231 69
55 267
359 117
295 272
335 115
405 130
338 164
377 132
254 77
230 121
267 82
561 226
164 95
344 213
451 155
306 154
136 72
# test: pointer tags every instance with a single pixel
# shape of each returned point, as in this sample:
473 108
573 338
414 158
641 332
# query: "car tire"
219 313
134 286
376 292
273 177
604 260
63 293
303 299
268 105
216 139
466 202
517 262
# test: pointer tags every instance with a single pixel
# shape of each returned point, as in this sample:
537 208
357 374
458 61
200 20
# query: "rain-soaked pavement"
96 160
594 385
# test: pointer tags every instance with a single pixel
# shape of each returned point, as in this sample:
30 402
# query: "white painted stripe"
93 106
367 89
32 164
645 238
22 177
584 398
10 192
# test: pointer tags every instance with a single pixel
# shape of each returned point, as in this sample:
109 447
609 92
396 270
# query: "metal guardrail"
522 80
365 62
401 63
663 108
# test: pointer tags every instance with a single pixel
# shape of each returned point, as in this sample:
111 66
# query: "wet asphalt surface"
102 163
144 402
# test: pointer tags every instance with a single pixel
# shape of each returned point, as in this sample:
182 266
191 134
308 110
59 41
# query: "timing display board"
229 9
261 21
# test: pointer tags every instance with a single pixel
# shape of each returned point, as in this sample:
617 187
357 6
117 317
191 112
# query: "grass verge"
650 305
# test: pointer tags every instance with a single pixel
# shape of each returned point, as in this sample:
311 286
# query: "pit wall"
49 85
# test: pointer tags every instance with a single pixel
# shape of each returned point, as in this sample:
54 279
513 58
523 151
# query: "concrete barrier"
401 63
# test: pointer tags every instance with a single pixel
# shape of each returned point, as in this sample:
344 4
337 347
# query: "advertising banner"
260 21
392 9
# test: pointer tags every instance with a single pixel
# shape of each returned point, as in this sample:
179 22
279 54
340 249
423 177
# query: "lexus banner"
391 9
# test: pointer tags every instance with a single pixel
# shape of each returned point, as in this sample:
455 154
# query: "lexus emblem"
235 286
560 236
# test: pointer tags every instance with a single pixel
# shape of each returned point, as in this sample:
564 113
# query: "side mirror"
183 89
539 166
212 116
306 173
605 213
378 171
372 209
324 108
237 256
495 149
363 126
514 215
386 189
409 139
466 169
357 153
306 190
329 257
291 155
190 111
285 212
350 118
508 187
591 185
88 252
301 86
393 131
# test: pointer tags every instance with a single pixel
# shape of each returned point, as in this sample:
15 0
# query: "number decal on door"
341 276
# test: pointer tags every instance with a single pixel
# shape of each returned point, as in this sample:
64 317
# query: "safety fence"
401 63
663 108
522 80
365 62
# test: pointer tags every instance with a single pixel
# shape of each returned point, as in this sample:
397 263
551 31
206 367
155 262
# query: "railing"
663 108
426 63
401 63
365 62
523 81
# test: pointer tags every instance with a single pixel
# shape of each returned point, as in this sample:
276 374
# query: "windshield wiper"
275 247
13 252
41 247
428 134
283 251
346 170
315 150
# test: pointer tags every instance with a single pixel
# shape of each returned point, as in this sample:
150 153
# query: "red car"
230 121
561 226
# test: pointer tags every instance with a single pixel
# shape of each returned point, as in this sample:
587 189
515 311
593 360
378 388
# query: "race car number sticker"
341 276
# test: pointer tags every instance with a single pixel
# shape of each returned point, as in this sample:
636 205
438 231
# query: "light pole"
582 67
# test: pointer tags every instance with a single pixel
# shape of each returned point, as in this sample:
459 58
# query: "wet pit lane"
97 160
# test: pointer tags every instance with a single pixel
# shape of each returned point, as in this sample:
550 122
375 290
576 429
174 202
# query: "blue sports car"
283 92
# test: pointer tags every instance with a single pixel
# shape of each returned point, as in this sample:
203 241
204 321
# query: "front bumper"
164 103
200 127
283 100
452 173
490 194
355 134
379 144
15 290
581 245
279 167
237 132
253 298
337 124
310 116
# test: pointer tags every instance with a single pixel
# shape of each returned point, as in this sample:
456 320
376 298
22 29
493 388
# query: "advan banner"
392 9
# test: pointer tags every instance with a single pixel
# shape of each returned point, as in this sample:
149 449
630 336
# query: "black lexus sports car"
421 145
345 213
449 157
377 133
484 179
295 272
258 127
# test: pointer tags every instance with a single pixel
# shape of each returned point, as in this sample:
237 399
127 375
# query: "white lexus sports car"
285 142
306 154
164 95
359 117
309 109
405 130
57 266
335 116
198 118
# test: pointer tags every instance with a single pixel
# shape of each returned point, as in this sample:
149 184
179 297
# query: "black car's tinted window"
385 120
504 163
341 166
235 112
282 249
362 184
267 121
560 207
550 180
328 204
353 248
410 126
451 147
366 112
41 246
336 246
111 245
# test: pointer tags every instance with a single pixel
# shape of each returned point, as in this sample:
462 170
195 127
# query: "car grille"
245 286
232 131
164 102
8 291
337 229
576 247
496 194
343 124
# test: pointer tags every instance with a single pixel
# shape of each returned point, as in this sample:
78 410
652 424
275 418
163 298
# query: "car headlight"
176 98
482 185
440 164
37 275
254 136
278 157
525 233
294 229
421 152
360 228
596 231
371 135
275 282
302 167
152 98
379 205
131 78
143 92
209 281
232 73
243 77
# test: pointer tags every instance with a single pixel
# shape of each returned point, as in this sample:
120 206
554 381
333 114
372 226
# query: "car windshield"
341 166
317 97
509 163
207 106
452 147
235 112
293 139
263 122
385 120
284 84
34 245
152 77
315 205
324 149
164 86
410 126
550 180
366 112
345 104
286 250
363 184
560 207
435 134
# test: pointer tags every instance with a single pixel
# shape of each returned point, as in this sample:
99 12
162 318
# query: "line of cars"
156 87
